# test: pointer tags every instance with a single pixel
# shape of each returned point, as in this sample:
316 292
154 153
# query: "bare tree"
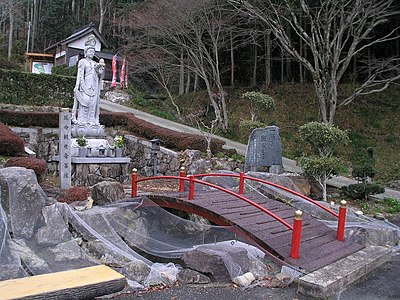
157 66
334 32
193 33
104 5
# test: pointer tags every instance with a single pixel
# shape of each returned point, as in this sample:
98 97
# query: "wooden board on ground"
85 283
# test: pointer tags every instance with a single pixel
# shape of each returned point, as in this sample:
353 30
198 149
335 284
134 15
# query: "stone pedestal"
88 130
94 145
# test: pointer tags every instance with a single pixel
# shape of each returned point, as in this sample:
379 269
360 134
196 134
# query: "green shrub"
362 190
36 89
64 70
361 173
140 101
247 126
392 205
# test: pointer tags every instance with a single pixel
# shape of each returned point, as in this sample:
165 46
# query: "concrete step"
331 279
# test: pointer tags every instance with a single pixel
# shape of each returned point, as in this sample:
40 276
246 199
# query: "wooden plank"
85 283
333 256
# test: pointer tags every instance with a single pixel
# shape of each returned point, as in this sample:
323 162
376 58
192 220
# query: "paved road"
383 284
289 164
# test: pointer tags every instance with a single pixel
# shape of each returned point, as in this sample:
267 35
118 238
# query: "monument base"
88 130
96 146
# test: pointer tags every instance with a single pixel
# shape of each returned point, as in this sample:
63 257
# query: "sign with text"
65 149
264 148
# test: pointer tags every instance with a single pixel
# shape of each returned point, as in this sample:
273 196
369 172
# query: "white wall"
80 43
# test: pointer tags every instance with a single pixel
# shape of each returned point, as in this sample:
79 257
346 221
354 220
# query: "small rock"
245 279
284 278
380 216
137 270
192 276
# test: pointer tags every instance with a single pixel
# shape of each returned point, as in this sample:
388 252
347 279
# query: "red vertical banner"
114 71
122 74
126 75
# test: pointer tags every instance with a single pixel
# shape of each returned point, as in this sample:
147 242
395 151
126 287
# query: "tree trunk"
102 13
35 19
232 59
196 82
254 77
181 75
267 46
324 193
188 81
11 30
282 66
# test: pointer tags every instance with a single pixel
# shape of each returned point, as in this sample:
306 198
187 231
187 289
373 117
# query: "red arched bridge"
304 242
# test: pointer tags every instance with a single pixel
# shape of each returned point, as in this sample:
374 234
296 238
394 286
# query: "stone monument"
264 150
86 108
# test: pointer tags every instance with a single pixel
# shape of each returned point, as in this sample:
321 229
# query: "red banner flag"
126 75
122 74
114 71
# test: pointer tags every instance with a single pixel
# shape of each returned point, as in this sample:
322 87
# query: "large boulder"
220 262
224 181
294 182
107 192
22 200
55 231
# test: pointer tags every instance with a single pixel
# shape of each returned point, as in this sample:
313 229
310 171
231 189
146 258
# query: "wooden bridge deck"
319 246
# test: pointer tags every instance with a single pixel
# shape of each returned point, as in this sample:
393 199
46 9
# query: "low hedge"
38 165
36 89
170 138
11 144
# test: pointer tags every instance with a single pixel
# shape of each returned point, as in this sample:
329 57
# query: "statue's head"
90 44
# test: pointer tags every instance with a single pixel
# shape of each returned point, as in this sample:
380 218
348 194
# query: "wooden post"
191 187
342 221
134 183
241 183
182 174
296 236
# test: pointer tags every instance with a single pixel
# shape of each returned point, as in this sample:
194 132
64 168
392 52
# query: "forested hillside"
340 51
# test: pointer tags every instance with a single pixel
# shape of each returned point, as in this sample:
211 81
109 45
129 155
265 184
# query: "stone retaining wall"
44 141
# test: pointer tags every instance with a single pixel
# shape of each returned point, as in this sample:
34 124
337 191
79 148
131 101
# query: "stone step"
330 279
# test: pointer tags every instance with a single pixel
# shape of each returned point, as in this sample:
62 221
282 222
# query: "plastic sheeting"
121 235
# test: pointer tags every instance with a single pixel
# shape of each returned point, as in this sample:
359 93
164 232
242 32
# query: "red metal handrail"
342 210
192 179
241 175
297 225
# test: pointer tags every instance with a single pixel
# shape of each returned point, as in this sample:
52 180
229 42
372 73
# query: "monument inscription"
65 148
264 148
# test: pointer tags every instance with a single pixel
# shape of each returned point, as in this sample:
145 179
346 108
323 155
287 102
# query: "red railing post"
342 220
191 187
296 236
241 183
182 174
134 183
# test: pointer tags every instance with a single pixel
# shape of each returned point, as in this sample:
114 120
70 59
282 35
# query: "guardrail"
297 223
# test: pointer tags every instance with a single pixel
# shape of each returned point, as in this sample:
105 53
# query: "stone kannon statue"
85 111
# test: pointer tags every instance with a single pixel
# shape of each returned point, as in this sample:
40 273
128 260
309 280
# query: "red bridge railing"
297 224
